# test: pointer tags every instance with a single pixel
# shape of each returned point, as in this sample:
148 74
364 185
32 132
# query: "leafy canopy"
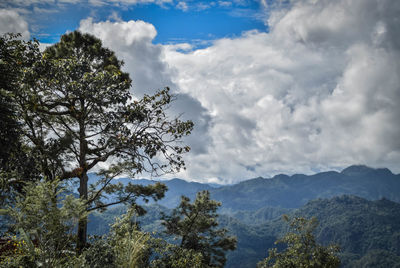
17 162
77 107
76 112
301 249
44 218
196 226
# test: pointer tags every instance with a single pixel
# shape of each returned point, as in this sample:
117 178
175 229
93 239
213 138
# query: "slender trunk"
83 179
82 224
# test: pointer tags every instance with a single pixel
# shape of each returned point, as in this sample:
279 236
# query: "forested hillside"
360 227
364 224
368 232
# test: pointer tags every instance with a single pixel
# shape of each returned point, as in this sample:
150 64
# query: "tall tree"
301 250
17 165
77 112
196 226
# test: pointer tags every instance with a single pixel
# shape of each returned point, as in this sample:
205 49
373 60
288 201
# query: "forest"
357 210
70 128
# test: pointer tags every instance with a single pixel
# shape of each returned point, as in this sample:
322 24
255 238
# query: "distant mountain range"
285 191
294 191
358 209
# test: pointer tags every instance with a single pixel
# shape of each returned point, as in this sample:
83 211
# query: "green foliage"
377 258
302 249
173 256
44 218
124 246
17 163
195 224
357 225
77 95
131 247
99 254
75 109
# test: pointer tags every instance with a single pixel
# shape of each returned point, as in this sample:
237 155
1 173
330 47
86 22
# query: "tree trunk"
83 178
82 224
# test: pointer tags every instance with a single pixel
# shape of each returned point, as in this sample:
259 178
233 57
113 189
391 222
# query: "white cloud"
136 2
44 11
203 6
224 3
69 1
132 42
319 91
28 2
11 21
182 5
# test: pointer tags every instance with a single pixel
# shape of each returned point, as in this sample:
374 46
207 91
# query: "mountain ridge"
362 228
294 191
284 191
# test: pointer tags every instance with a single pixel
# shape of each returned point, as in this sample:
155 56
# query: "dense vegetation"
367 232
300 248
195 225
65 111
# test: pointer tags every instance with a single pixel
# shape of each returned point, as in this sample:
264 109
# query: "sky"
273 87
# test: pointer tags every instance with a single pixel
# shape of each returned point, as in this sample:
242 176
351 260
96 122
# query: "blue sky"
284 86
193 21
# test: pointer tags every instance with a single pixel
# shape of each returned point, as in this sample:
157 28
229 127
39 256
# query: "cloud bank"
145 61
319 91
12 22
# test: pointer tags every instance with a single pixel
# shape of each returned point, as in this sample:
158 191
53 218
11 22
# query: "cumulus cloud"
129 2
320 90
182 5
11 21
145 62
132 41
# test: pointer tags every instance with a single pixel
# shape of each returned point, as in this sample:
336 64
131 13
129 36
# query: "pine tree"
301 250
44 217
195 224
77 112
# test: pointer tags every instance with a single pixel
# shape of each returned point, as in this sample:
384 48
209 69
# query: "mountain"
358 209
368 232
294 191
361 228
176 188
283 191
